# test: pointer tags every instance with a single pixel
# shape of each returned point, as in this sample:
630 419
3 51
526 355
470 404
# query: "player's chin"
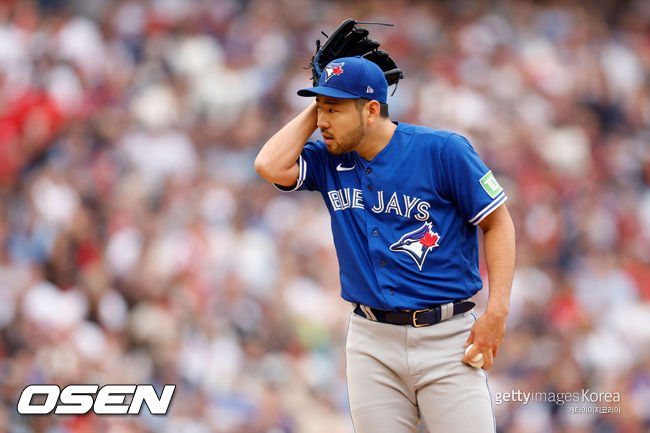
334 149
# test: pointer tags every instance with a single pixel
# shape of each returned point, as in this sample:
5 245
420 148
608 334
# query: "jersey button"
369 187
375 233
368 170
382 263
392 292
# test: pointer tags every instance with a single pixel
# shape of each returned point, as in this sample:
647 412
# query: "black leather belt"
416 318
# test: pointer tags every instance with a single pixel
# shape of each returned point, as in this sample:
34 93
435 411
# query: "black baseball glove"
348 40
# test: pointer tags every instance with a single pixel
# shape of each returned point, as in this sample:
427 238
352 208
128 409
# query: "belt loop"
446 311
368 312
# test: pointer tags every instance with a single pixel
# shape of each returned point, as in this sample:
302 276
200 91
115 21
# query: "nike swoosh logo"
341 168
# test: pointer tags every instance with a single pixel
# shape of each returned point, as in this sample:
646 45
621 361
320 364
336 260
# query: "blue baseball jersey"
405 223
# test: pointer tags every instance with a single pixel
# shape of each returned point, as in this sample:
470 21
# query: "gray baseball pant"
399 375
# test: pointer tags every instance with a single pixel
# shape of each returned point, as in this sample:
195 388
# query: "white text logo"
81 399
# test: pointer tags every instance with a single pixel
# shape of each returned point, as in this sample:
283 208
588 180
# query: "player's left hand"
486 335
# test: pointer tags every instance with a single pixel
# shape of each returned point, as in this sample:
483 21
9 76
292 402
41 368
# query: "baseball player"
405 202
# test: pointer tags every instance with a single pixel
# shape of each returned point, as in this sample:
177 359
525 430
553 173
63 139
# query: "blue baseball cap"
350 78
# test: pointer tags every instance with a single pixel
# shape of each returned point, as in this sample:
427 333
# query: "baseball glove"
348 40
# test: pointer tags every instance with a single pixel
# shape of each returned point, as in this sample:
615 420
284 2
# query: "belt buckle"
415 320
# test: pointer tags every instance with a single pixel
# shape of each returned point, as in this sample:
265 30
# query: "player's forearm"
499 247
276 161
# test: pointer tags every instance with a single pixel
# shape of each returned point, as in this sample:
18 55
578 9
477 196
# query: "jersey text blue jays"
399 204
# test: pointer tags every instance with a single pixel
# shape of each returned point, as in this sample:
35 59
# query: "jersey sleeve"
467 181
311 167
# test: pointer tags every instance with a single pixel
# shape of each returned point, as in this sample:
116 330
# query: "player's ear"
374 109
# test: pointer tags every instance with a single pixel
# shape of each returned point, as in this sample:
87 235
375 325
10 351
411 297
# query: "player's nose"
322 123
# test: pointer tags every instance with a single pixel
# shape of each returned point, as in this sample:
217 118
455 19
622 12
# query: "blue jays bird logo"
333 69
417 243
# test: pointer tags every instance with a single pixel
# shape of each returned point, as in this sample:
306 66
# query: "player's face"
341 124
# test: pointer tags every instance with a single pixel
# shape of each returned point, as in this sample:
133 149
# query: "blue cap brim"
327 91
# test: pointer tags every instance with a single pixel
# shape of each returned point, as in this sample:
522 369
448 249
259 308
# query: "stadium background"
137 245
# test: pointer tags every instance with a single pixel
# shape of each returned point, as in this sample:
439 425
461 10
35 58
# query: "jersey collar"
386 152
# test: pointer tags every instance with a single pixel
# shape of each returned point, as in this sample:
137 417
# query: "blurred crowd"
137 244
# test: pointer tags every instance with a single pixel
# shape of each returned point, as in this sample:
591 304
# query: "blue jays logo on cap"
350 78
418 243
333 69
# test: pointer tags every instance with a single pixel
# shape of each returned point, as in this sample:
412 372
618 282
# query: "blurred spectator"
137 245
